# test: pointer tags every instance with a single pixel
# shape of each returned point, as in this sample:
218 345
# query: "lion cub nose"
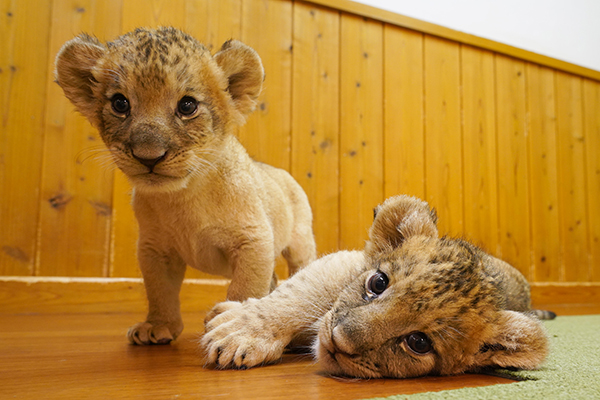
341 342
149 158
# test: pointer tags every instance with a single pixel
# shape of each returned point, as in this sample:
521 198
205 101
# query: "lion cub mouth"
159 180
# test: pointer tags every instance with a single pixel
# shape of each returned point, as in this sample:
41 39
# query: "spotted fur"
473 309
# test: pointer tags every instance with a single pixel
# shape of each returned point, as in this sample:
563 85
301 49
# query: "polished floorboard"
86 356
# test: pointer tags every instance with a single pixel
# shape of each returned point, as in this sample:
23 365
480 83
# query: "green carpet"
572 370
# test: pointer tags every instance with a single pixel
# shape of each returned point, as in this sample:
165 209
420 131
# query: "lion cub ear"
74 64
244 72
520 341
398 218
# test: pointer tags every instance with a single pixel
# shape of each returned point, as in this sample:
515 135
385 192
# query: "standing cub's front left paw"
242 337
145 333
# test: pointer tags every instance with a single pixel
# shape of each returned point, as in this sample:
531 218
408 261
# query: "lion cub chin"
167 110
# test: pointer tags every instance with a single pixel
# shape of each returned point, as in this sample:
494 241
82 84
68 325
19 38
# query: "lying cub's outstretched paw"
238 338
219 309
240 350
145 333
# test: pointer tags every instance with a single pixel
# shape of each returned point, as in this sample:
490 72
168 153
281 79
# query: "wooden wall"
507 149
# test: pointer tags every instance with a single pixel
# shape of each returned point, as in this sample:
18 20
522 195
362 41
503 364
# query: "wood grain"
86 356
566 298
361 124
443 136
99 295
153 13
404 140
316 117
267 28
24 73
572 178
480 176
513 172
545 234
214 22
591 121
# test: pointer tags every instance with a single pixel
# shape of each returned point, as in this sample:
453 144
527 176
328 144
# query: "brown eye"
120 104
187 106
418 342
377 283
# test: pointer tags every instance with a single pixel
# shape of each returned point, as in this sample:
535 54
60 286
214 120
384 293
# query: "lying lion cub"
166 109
410 304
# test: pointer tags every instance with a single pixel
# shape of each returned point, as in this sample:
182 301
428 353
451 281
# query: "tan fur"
198 197
472 308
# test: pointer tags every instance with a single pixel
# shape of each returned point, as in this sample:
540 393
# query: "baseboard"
98 295
101 295
570 298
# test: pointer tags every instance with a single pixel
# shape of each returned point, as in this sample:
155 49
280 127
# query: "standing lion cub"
167 109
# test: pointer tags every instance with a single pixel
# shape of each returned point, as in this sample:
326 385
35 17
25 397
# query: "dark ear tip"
232 43
434 216
227 44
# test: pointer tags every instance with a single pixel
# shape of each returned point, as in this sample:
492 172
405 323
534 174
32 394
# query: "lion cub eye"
418 343
187 107
120 104
377 283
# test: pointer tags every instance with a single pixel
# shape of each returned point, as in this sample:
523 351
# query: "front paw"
220 309
240 338
145 333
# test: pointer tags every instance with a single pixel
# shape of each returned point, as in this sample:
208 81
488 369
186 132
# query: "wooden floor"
86 356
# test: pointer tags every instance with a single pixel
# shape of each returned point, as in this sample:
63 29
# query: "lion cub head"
426 306
161 102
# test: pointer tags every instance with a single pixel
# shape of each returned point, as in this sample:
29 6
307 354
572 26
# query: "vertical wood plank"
545 237
153 13
23 76
572 177
76 191
591 121
443 152
267 27
403 120
513 189
315 117
214 22
479 147
361 127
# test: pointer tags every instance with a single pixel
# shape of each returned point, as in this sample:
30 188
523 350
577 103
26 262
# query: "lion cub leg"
301 250
163 275
253 265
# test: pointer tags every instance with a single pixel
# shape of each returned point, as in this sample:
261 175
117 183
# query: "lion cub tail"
543 314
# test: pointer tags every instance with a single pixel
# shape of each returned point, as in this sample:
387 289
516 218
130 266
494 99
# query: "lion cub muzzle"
148 145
